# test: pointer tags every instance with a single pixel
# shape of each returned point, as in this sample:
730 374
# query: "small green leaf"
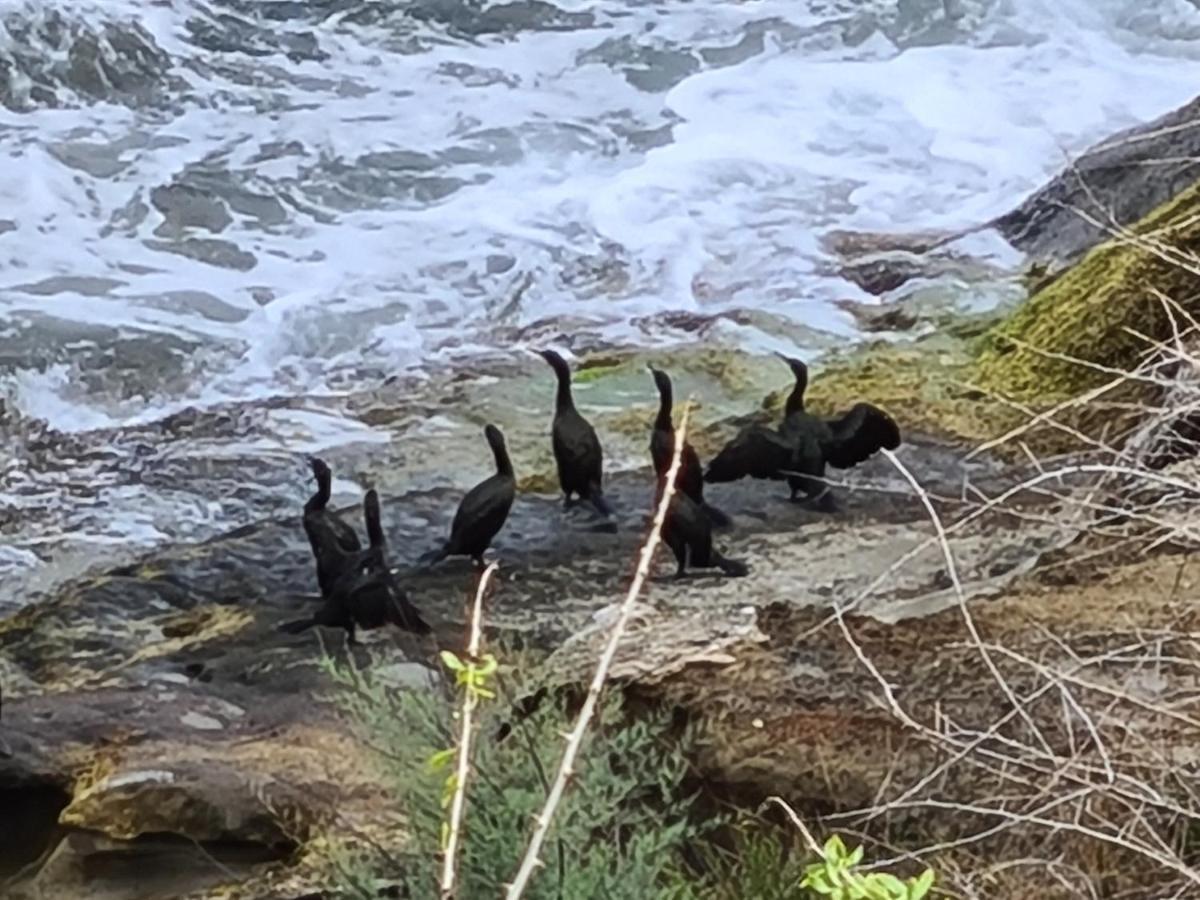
485 693
452 662
920 886
441 759
489 665
835 850
855 857
890 885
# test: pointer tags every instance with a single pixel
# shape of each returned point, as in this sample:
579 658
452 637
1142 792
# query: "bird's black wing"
860 434
577 445
482 513
346 536
757 452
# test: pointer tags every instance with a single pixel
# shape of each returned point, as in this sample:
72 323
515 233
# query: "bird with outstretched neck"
483 511
577 450
687 530
690 479
805 444
334 543
366 595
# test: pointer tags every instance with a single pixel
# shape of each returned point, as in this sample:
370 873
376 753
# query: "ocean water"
253 201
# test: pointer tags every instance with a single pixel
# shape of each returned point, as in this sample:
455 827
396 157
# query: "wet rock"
880 275
51 59
471 18
226 33
1120 180
71 284
648 67
474 76
187 207
866 243
880 318
98 160
223 254
881 263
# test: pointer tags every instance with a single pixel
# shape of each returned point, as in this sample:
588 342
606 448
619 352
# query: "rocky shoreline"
164 741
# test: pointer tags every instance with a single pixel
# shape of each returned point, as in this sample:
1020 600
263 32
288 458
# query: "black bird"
576 447
484 509
687 530
366 595
334 543
690 479
804 444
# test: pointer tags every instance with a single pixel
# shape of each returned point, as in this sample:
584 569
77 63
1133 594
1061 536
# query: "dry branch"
532 858
466 714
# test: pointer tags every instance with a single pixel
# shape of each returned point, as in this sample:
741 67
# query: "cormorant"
484 509
804 444
687 530
334 543
690 479
576 447
366 595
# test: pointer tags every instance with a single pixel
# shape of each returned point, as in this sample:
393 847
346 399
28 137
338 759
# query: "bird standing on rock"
334 543
483 511
576 448
687 530
366 595
690 479
804 444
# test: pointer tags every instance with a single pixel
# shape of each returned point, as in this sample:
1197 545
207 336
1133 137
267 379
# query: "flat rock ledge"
164 740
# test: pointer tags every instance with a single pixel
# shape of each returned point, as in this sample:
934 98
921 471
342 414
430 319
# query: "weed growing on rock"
619 833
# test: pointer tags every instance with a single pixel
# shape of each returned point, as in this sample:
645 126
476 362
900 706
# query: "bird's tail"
734 568
597 499
297 626
719 518
433 557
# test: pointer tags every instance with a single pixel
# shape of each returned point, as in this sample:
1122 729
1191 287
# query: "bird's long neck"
665 404
321 497
375 532
795 400
503 463
563 399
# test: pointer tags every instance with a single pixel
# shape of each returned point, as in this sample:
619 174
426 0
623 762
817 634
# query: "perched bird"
687 530
576 447
334 543
690 479
366 595
484 509
804 445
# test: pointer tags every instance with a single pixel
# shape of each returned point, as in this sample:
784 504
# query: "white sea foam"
542 157
771 153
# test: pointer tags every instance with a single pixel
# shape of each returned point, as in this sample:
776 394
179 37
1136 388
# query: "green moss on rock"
1093 315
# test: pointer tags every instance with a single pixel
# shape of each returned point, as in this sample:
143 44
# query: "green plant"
836 875
619 833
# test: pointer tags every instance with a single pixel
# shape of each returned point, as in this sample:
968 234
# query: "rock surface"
153 711
1110 187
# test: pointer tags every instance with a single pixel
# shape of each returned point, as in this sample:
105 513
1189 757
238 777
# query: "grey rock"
1126 177
183 206
215 252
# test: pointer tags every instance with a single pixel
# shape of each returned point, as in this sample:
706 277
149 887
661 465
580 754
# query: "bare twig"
470 700
532 858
